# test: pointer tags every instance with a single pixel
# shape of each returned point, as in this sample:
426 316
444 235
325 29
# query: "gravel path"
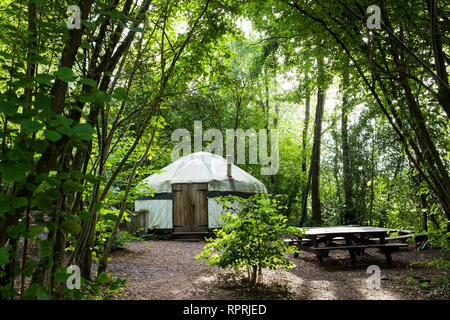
167 270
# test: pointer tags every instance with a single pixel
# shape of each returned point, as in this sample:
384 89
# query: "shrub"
251 236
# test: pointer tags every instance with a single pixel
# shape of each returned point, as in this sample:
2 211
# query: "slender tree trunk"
104 260
305 200
433 161
349 212
304 166
267 108
305 131
254 277
372 177
439 57
316 216
273 178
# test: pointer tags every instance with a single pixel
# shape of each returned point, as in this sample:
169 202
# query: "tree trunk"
305 200
104 260
372 177
439 57
305 131
316 217
273 178
254 277
349 212
304 138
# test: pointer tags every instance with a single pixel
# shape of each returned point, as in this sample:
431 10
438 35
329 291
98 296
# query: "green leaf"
85 216
42 294
31 125
35 230
43 78
85 45
110 216
4 256
44 249
52 135
83 131
13 174
73 186
102 97
98 205
88 82
42 101
39 146
71 227
30 292
86 97
29 268
7 292
102 278
8 108
60 121
25 82
42 201
61 274
65 130
141 30
19 202
65 74
40 59
120 94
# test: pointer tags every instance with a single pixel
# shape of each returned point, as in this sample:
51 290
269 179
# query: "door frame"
173 203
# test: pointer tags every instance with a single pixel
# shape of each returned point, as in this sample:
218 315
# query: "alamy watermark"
257 145
74 20
74 280
374 280
374 20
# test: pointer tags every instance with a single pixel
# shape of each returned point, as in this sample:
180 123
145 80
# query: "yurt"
184 191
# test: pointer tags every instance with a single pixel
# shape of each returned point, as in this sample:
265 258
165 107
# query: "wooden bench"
402 238
293 242
418 238
385 248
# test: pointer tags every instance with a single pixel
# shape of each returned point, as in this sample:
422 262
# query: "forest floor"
167 270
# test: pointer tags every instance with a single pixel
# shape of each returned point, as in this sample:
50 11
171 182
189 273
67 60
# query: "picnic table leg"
325 253
362 250
388 255
318 253
351 251
320 258
352 256
386 251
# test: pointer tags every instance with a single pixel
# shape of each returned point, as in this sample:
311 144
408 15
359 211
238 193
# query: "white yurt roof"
204 167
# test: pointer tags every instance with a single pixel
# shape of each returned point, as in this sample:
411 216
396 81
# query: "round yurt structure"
184 191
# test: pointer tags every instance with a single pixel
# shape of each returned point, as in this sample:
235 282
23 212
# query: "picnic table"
355 239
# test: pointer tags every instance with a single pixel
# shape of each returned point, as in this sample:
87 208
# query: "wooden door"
190 207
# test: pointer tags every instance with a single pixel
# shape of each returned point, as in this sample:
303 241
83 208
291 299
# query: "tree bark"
349 212
104 260
316 216
304 138
439 57
273 178
305 130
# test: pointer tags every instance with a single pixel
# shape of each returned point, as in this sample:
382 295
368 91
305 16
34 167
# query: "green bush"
251 236
103 230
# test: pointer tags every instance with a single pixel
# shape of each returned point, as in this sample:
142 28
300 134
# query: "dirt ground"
167 270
